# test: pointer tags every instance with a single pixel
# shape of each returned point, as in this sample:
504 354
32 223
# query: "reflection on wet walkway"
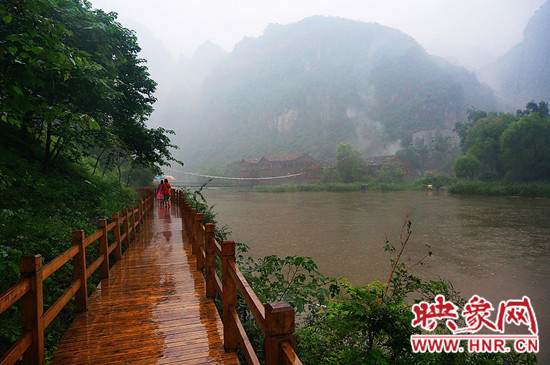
152 310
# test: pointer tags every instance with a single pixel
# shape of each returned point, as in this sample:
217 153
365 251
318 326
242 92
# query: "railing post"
196 222
132 223
192 230
210 259
79 272
230 331
186 217
32 308
279 318
139 215
126 225
199 241
103 248
116 237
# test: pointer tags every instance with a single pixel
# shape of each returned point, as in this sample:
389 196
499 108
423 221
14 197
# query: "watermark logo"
477 315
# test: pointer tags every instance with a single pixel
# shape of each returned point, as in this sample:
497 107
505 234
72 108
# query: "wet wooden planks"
152 309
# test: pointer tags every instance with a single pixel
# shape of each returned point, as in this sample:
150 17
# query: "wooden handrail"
275 319
248 350
290 357
59 261
29 288
14 293
17 349
254 303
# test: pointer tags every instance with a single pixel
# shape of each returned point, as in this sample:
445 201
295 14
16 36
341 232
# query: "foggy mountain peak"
207 51
310 85
523 73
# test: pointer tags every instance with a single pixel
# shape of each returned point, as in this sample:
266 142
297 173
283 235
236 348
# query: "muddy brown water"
495 247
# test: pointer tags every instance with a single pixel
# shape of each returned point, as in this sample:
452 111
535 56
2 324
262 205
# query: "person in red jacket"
166 191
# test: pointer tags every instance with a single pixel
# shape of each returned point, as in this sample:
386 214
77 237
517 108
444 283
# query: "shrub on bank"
289 188
501 188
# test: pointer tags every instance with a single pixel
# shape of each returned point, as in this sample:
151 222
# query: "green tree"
483 142
525 148
390 173
71 80
541 109
461 127
467 166
349 163
416 156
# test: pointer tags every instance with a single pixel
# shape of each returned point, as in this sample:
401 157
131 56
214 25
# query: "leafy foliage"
372 324
349 163
294 279
38 212
439 157
467 166
502 145
525 148
73 83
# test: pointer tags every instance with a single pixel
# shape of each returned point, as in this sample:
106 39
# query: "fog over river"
498 248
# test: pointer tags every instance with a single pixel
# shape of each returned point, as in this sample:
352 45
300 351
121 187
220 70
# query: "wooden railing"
275 319
30 346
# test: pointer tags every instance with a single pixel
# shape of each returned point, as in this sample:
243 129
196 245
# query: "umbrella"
168 177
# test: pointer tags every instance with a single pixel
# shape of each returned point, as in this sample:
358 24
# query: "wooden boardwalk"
153 308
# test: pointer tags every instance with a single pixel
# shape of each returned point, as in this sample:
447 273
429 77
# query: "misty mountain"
178 83
523 73
159 61
310 85
189 75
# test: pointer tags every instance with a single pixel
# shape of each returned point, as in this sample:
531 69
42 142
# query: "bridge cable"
232 178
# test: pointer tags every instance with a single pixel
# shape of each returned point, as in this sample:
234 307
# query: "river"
498 248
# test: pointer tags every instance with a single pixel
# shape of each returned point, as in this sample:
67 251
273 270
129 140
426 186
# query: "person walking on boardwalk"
160 193
166 191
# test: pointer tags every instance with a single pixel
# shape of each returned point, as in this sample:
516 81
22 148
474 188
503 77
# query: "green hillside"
311 85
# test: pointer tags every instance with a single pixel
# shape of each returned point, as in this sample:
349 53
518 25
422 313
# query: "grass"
288 188
336 187
501 188
460 187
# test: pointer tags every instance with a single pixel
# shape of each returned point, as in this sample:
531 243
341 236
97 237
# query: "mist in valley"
238 81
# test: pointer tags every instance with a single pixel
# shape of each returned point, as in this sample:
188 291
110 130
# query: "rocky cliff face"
310 85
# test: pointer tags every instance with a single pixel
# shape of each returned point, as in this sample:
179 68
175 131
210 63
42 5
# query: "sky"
471 33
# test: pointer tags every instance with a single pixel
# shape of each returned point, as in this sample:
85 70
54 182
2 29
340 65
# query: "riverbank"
459 187
335 187
501 188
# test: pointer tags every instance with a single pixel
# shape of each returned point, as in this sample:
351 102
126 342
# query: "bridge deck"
152 309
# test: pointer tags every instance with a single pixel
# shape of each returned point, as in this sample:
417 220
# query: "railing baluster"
230 331
139 214
32 308
210 260
104 248
116 237
192 230
79 271
126 225
199 241
132 223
